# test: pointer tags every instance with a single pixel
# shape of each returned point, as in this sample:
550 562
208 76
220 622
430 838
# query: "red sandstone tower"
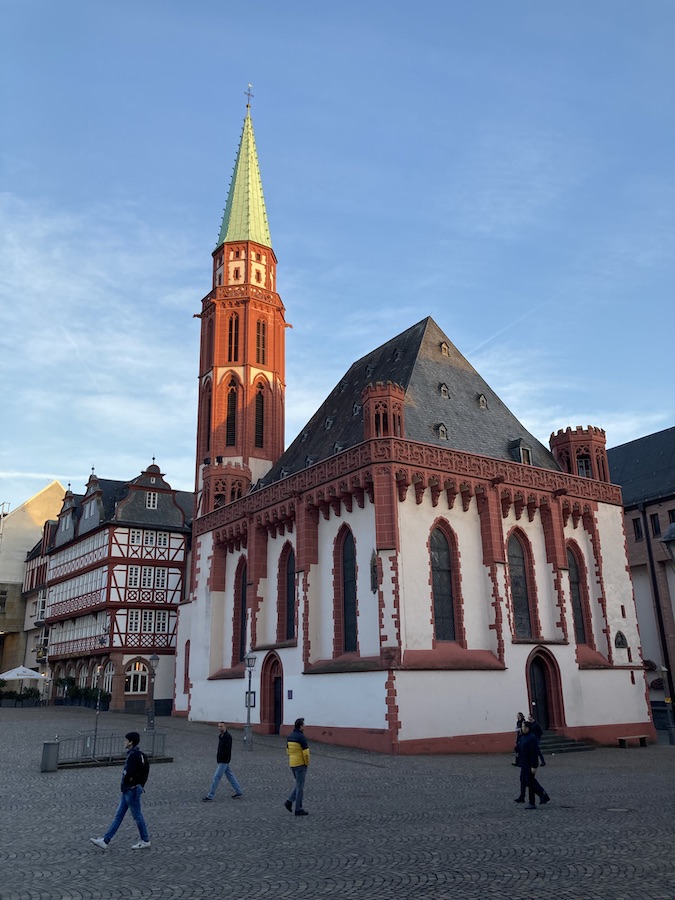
581 451
240 424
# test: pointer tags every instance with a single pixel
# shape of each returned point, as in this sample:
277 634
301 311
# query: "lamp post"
150 712
98 707
249 659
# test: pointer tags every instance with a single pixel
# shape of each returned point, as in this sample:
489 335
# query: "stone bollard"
50 756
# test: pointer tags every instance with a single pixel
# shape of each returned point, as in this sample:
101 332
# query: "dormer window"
442 432
482 401
310 460
445 348
305 435
369 371
356 409
397 354
338 448
328 424
443 388
151 500
343 386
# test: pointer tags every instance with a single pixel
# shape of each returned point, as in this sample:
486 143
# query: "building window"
162 539
146 577
348 584
443 432
258 276
160 579
136 679
655 524
135 536
441 580
259 416
577 603
526 456
161 621
286 611
233 338
261 342
3 599
151 500
133 621
134 576
108 674
148 625
584 466
242 612
637 529
231 417
149 538
236 274
671 516
186 668
519 588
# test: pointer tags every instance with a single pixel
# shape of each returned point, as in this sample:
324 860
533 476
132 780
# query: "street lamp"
249 659
98 707
150 713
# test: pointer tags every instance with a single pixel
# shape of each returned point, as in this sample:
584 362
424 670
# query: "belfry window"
231 418
261 342
233 338
584 465
259 416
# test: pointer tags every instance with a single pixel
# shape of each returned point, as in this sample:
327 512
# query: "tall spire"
245 216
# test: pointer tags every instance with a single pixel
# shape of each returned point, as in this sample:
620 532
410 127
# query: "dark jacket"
224 754
528 751
133 769
297 749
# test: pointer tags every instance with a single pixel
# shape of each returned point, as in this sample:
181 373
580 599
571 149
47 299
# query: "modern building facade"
416 567
645 469
111 573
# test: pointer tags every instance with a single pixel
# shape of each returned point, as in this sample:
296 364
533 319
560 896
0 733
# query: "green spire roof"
245 216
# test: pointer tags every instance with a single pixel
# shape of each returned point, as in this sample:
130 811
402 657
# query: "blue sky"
505 167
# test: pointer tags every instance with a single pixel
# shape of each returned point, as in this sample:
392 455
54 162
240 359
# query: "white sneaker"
141 845
99 842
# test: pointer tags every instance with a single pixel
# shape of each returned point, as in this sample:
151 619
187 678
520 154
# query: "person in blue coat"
528 751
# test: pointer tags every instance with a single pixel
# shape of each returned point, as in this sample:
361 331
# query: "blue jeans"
224 769
130 799
299 773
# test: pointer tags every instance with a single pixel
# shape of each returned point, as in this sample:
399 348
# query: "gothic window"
186 668
261 342
235 491
286 611
233 338
239 624
136 679
441 580
577 602
346 638
584 465
231 417
208 348
620 641
259 415
519 588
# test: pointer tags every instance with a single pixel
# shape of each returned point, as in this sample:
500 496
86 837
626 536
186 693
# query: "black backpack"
145 769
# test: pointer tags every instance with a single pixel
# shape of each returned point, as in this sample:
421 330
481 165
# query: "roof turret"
245 216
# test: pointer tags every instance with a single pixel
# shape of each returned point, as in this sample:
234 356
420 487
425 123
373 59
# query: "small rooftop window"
445 348
397 354
369 371
482 401
305 435
310 460
356 409
328 424
442 432
443 388
338 447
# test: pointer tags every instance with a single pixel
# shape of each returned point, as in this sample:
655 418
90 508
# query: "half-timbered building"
416 567
115 576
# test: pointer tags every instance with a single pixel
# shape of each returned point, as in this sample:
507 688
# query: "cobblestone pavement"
379 827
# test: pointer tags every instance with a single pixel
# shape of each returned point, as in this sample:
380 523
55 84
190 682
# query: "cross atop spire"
248 94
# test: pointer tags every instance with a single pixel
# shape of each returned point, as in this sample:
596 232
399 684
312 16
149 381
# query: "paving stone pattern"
379 827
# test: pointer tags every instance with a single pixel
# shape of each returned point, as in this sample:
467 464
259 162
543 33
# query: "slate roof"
414 360
645 468
112 492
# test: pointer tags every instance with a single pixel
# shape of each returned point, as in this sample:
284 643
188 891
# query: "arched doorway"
272 695
545 691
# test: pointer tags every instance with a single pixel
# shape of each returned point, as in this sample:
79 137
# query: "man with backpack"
134 776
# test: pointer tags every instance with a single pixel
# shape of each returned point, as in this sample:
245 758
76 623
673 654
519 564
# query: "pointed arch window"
239 617
231 416
261 342
577 604
519 588
233 338
286 594
346 613
441 580
208 346
260 415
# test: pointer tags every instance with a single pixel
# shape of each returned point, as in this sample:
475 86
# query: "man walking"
223 757
297 749
528 751
134 776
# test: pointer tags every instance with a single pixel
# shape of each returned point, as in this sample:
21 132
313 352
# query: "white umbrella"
21 673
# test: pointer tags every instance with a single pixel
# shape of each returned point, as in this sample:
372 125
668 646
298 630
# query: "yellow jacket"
297 749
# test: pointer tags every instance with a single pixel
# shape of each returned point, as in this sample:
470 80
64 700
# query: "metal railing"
88 746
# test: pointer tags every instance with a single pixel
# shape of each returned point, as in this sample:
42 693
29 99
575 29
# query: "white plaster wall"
362 524
649 635
618 585
338 700
415 523
268 613
183 634
582 539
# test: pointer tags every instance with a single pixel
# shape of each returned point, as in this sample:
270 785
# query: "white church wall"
184 634
337 700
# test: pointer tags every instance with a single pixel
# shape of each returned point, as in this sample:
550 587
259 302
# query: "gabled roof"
441 388
245 215
645 468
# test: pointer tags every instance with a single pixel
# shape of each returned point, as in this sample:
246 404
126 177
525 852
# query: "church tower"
240 424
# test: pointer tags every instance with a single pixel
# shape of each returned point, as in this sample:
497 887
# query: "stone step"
553 743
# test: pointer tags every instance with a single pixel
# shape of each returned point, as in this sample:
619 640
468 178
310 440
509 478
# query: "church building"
416 567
